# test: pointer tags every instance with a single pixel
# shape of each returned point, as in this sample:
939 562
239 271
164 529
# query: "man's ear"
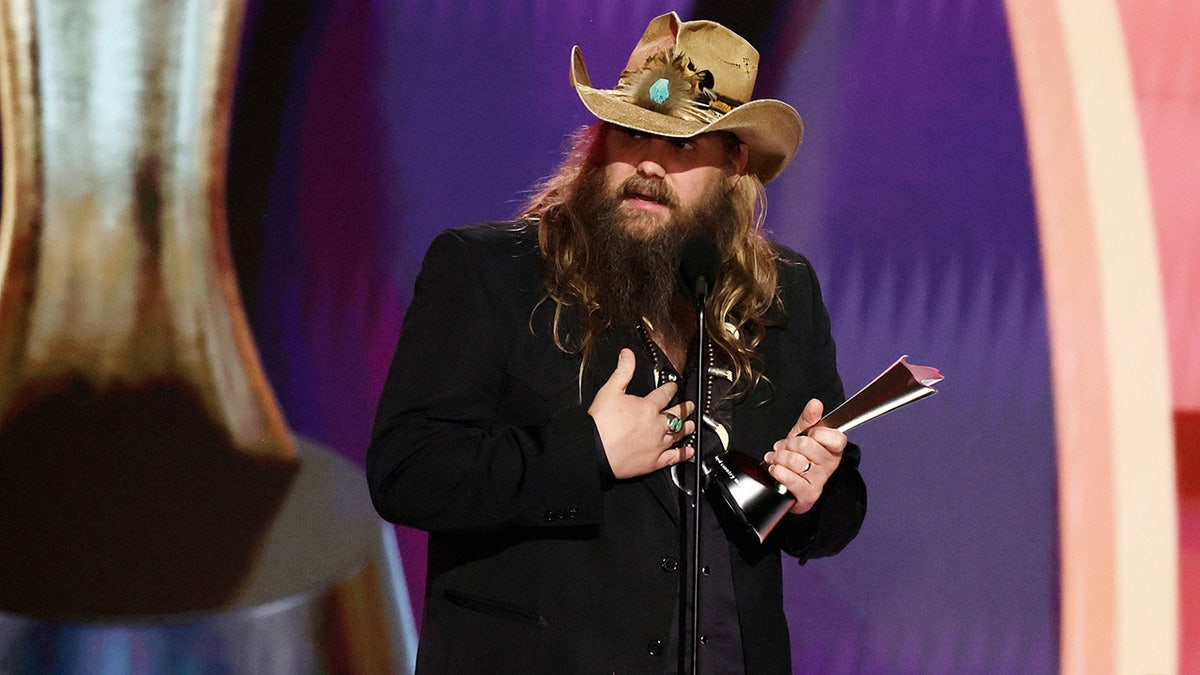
737 164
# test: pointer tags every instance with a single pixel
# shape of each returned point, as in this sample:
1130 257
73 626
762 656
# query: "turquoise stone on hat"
660 91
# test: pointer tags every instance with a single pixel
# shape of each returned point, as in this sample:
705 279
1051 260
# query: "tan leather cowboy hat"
688 78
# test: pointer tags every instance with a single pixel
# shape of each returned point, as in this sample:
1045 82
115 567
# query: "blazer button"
655 648
669 564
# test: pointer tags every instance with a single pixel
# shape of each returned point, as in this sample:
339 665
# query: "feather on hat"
692 77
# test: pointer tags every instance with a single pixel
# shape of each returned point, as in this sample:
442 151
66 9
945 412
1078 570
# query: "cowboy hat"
692 77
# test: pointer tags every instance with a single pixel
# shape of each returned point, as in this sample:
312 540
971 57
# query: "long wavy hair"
737 311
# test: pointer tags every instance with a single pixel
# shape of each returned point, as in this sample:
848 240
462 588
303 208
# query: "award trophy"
758 500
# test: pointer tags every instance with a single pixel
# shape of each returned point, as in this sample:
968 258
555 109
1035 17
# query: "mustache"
649 189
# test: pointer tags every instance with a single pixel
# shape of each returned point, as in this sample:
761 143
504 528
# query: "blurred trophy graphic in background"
152 499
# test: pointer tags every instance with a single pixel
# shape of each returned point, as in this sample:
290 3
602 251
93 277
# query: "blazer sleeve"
441 458
839 513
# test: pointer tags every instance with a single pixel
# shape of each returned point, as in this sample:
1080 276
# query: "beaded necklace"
716 385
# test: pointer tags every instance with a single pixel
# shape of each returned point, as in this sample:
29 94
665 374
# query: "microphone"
698 263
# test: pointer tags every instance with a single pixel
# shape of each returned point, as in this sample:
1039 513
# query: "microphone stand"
701 293
698 265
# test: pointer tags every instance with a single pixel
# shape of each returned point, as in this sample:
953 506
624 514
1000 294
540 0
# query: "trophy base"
757 500
326 595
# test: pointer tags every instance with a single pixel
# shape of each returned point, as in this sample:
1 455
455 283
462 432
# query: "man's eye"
683 143
634 133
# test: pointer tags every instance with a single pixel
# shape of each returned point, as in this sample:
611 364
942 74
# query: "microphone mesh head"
699 260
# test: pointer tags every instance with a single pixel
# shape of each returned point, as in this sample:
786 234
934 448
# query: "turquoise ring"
674 424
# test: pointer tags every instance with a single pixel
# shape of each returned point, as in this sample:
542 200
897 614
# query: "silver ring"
806 468
674 424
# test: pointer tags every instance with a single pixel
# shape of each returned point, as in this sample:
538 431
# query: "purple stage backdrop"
362 129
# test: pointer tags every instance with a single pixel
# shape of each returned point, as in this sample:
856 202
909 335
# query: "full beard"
634 267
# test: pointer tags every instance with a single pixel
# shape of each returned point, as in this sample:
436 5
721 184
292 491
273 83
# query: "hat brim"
772 130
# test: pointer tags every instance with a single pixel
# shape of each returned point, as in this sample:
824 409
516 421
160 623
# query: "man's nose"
655 157
651 168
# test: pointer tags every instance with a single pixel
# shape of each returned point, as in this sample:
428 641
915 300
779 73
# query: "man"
529 420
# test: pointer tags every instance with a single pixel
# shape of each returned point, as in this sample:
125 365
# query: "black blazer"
536 563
